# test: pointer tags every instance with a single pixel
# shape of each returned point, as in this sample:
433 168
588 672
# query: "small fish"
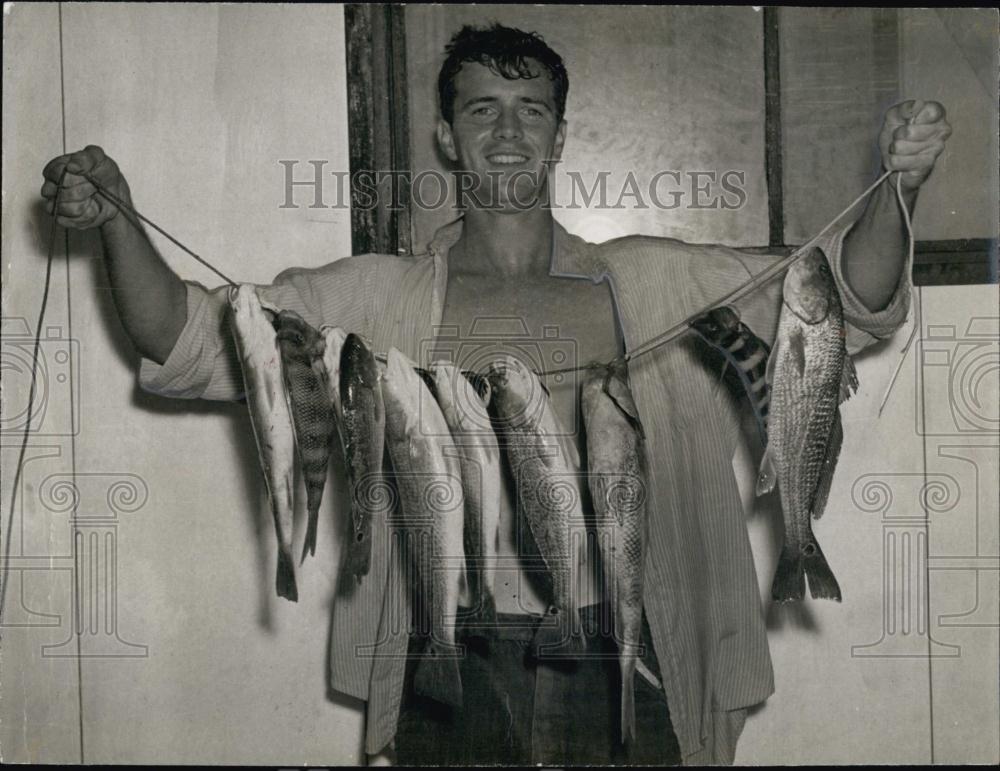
430 491
465 412
363 434
810 374
271 418
312 414
542 476
617 476
327 369
722 329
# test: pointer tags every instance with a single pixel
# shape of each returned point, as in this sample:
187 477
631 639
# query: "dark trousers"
519 710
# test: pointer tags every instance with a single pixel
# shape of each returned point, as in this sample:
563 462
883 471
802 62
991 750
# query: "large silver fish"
362 431
312 414
430 491
810 374
465 412
617 476
544 483
271 418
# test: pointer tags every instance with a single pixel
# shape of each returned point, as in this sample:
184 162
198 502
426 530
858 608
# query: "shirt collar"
572 257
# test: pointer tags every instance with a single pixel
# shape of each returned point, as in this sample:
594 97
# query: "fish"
271 419
542 477
312 414
327 369
465 412
722 329
363 436
617 475
430 492
810 374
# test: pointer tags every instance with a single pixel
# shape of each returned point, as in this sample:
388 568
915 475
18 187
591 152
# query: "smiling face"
503 132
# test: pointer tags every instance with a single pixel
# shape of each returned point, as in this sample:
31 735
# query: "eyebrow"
492 100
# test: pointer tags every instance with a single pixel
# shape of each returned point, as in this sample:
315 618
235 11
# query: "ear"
446 140
557 146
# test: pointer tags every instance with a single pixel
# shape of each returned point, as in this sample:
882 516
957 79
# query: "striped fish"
722 329
312 413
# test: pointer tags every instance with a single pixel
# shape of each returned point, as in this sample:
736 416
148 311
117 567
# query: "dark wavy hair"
504 50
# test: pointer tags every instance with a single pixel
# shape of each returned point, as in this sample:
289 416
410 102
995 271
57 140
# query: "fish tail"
628 701
309 545
822 583
437 675
285 577
560 639
485 613
789 577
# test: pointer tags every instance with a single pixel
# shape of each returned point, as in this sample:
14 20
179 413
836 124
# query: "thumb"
912 109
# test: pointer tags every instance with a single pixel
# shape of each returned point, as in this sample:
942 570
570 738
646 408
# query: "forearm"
151 299
875 250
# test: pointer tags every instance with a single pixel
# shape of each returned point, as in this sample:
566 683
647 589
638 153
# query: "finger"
77 208
79 192
910 109
930 112
86 159
920 132
54 168
903 147
921 162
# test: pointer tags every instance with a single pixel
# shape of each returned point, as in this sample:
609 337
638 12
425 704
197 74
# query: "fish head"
518 395
252 325
298 340
808 286
715 324
459 399
357 362
333 345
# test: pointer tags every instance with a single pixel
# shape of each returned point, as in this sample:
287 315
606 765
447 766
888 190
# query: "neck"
505 245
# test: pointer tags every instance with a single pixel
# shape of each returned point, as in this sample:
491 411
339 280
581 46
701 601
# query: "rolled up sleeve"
864 326
203 362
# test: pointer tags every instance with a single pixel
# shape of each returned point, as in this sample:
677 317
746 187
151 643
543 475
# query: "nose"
508 126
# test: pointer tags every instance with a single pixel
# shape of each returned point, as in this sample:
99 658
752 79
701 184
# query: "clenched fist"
913 148
80 205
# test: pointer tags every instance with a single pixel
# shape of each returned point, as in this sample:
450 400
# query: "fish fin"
797 350
437 675
561 639
285 577
829 466
767 476
309 544
359 552
789 582
822 583
848 379
485 614
648 675
772 363
616 388
628 708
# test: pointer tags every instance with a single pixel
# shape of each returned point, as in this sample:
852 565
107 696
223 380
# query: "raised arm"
874 252
151 299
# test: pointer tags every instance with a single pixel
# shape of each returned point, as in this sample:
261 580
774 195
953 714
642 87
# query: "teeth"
508 159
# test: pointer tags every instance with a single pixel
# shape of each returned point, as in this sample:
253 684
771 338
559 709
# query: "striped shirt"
701 594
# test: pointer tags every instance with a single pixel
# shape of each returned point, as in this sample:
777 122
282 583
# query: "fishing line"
133 211
672 333
31 398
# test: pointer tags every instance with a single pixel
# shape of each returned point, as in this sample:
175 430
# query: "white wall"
197 103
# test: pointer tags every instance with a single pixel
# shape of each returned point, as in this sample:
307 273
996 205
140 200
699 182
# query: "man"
502 99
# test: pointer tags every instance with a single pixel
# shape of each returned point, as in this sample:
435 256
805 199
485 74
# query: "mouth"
507 159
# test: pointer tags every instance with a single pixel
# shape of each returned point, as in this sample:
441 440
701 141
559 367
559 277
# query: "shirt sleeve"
204 364
760 310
